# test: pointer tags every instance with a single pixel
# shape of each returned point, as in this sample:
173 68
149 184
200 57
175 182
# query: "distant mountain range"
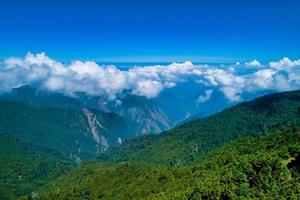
146 116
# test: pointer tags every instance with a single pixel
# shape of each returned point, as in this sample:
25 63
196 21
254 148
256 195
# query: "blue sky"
142 31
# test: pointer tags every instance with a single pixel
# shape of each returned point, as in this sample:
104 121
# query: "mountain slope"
75 130
145 115
188 143
265 167
32 96
25 167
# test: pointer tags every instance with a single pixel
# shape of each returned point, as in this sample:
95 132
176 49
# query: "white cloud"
205 97
284 63
109 81
13 62
282 83
262 79
148 88
54 84
232 93
253 63
90 78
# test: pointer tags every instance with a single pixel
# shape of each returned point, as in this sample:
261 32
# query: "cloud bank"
93 79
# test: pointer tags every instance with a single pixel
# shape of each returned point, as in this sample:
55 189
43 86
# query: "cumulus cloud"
232 93
282 83
284 63
205 97
90 78
253 63
109 81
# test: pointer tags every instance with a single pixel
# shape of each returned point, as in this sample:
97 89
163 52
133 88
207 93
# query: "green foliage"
188 143
264 163
59 128
251 168
25 167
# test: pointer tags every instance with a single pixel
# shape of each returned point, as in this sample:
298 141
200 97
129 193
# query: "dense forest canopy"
264 167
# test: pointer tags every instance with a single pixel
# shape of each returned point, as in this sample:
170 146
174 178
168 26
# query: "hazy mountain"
41 98
144 114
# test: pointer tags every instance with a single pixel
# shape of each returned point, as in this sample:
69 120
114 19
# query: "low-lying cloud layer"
109 81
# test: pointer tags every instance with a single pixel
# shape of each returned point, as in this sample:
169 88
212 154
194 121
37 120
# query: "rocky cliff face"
79 131
148 120
142 113
98 124
96 128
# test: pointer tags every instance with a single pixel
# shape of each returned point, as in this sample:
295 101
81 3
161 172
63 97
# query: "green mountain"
34 97
145 115
188 143
75 130
249 151
25 167
264 167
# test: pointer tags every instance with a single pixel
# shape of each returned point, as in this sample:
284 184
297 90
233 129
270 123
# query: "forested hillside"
25 167
144 115
197 160
75 130
263 167
190 142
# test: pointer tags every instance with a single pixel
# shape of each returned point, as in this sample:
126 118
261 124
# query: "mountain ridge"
187 143
145 115
59 128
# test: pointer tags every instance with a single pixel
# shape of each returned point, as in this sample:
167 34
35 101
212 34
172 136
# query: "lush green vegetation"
59 128
188 143
258 167
249 151
25 167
